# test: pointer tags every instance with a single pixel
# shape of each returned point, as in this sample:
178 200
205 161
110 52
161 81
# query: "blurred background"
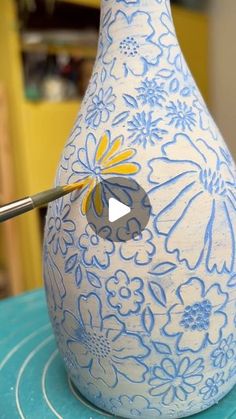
47 50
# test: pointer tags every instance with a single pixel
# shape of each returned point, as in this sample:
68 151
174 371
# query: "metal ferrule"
15 208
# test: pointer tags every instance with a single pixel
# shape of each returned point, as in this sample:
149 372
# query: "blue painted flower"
174 381
144 130
137 51
96 250
225 351
181 115
102 345
60 227
53 283
194 196
196 319
151 93
101 107
169 43
70 148
136 406
212 386
141 248
124 293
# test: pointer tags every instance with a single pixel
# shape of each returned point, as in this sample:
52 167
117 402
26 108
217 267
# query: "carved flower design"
102 345
175 381
196 319
193 197
124 293
136 51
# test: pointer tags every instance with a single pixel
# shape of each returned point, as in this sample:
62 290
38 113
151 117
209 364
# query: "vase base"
86 402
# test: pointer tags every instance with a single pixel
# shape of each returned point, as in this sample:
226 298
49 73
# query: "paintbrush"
12 209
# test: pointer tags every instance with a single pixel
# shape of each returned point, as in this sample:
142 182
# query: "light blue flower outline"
193 170
181 115
175 381
124 293
191 292
144 46
143 409
140 248
144 129
90 241
102 344
60 229
224 352
101 107
151 93
212 384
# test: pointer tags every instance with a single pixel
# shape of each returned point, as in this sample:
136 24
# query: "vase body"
146 327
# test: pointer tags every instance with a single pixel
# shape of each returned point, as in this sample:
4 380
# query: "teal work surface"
33 382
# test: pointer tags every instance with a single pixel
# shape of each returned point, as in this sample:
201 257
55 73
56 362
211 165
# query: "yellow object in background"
38 131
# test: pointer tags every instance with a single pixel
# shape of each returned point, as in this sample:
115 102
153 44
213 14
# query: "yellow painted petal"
121 169
125 155
87 195
113 150
98 199
102 147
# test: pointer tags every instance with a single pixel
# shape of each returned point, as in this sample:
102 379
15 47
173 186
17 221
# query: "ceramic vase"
145 327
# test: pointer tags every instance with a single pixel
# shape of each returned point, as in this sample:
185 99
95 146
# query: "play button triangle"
117 210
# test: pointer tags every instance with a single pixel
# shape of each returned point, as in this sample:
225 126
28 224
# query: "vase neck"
156 7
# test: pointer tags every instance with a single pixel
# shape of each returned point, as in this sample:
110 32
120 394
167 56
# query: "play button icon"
119 209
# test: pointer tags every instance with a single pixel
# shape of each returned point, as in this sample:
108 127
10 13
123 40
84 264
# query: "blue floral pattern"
124 293
96 250
145 130
152 93
141 248
137 51
190 176
181 115
212 386
197 318
101 107
61 228
102 345
136 406
224 352
175 381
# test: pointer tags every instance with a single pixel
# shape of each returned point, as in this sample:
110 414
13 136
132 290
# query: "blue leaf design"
148 319
186 91
120 118
70 263
130 101
157 293
106 18
166 74
94 280
232 281
174 86
163 268
103 75
162 348
78 276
